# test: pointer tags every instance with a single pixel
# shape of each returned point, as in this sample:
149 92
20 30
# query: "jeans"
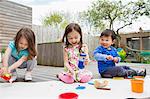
118 71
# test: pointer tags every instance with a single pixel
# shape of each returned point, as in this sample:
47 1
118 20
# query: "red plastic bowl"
68 95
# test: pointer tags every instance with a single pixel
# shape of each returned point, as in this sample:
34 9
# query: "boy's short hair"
109 32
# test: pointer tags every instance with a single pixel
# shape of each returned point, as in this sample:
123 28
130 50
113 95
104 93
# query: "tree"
133 11
103 12
53 20
56 19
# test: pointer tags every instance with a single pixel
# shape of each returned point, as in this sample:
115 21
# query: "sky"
41 8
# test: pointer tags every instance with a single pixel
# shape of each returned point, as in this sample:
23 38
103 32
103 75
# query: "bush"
3 50
144 57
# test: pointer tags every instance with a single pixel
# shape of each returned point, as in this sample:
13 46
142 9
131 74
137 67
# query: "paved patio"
45 85
119 89
48 73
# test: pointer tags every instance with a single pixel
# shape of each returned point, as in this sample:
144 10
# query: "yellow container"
137 85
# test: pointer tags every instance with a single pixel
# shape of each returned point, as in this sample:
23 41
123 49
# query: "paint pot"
137 85
6 76
80 87
138 77
90 83
68 95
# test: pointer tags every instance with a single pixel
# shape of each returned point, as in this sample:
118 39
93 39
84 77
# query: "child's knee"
31 64
85 78
104 75
66 78
11 60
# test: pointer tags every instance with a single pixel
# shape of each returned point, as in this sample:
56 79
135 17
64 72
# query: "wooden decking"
47 73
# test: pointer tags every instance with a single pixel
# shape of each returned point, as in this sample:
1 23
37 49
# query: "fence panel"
13 16
49 35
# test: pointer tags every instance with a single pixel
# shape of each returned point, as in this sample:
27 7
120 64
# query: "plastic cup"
137 85
68 95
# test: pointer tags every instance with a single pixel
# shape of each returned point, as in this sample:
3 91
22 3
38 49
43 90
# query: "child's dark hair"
109 32
70 28
28 34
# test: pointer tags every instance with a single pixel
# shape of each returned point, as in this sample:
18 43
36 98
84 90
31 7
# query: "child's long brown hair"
70 28
28 34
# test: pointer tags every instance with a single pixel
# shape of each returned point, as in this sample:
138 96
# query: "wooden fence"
50 54
48 34
13 16
50 51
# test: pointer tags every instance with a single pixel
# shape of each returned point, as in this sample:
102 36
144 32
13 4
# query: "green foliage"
143 57
64 24
53 19
3 50
104 13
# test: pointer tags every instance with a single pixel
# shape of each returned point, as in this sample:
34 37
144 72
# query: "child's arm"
6 57
98 55
17 64
117 59
5 60
66 63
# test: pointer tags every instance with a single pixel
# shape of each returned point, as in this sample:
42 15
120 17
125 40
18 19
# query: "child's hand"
4 70
71 71
109 57
69 74
115 59
9 70
1 71
86 62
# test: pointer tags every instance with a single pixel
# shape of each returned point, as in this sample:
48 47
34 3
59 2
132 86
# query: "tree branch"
123 27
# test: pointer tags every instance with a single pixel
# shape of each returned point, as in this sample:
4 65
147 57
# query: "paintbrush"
104 88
